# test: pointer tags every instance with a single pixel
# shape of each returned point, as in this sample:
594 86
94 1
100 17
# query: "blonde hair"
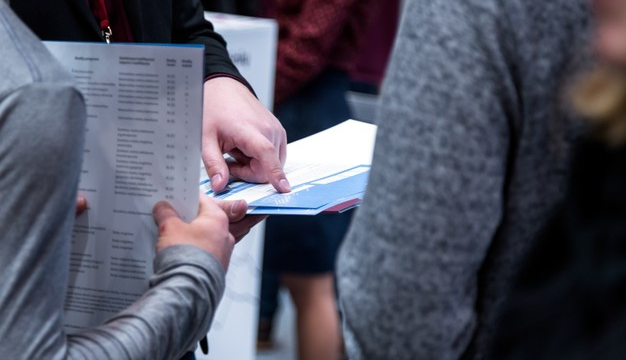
600 96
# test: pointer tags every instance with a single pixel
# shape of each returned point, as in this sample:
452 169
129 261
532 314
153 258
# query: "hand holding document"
142 145
328 172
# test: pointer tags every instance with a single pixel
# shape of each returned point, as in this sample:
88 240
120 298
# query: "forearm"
174 314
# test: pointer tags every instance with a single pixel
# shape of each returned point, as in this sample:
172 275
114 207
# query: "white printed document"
328 172
144 111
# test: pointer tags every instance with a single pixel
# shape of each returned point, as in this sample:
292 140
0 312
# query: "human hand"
240 224
208 231
81 204
235 122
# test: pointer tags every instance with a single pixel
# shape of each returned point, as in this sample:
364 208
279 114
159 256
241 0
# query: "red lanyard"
100 10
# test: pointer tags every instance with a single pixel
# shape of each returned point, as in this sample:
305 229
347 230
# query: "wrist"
227 77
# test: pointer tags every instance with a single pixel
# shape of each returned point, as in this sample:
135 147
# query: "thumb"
163 212
208 206
215 165
235 210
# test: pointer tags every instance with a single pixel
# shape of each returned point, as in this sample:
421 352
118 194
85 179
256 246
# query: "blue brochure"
328 172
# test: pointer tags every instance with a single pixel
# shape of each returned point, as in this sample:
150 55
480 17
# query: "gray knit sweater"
472 155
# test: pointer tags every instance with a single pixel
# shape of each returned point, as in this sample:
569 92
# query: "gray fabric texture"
42 123
471 158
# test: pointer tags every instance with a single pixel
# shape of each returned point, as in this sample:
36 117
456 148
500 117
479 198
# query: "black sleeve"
189 26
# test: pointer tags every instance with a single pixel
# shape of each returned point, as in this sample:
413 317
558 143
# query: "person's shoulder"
25 59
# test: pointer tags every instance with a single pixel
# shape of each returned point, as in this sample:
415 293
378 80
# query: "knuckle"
267 125
211 162
276 171
264 129
267 147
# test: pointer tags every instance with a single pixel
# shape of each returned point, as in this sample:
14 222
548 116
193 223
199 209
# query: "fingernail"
216 178
239 205
284 184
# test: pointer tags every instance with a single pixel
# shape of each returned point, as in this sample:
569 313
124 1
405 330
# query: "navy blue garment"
309 244
303 244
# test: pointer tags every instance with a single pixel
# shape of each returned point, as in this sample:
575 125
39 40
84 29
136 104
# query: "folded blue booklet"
330 180
309 198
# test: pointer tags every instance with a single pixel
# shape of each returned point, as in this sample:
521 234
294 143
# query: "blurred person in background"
569 301
317 47
368 72
471 158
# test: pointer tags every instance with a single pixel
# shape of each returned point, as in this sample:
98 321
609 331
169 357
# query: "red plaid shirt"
315 35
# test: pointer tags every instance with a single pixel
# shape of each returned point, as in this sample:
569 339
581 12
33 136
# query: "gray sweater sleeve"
168 320
42 125
408 270
38 188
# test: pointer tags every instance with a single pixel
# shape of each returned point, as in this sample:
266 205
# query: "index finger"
268 157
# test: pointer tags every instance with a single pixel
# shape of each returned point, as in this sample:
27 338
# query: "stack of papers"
142 145
328 172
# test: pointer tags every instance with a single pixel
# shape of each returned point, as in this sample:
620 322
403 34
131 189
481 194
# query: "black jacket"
240 7
152 21
569 301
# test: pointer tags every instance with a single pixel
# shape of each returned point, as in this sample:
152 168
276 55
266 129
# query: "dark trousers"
303 244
